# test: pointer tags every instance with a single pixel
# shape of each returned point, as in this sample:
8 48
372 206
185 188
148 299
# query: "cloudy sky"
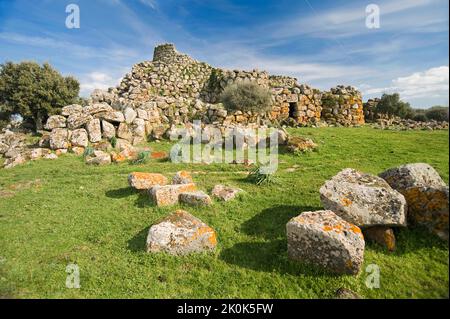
322 43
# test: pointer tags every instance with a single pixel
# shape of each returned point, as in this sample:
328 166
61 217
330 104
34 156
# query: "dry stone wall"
343 105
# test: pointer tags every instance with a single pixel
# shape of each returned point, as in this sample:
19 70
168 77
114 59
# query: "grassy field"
53 213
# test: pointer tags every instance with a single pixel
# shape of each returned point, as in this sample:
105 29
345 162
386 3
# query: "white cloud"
433 83
149 3
96 80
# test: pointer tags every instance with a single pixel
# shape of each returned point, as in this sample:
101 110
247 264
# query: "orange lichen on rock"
140 180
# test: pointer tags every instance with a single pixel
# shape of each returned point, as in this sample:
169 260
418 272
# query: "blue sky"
322 43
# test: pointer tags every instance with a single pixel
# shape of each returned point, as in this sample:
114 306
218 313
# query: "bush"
420 117
437 113
142 158
246 96
259 176
35 91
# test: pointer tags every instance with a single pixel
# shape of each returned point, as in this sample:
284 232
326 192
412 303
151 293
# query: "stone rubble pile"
343 105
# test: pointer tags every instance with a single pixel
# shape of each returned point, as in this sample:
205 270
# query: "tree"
437 113
35 91
391 105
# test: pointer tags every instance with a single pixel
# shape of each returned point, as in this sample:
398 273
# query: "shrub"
113 141
88 151
259 176
437 113
420 117
246 96
142 158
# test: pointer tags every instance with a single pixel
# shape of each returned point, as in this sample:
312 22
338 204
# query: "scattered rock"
182 177
77 150
322 238
300 144
179 234
159 155
14 161
140 180
71 109
426 194
169 194
363 199
37 153
382 235
125 155
197 198
51 156
98 158
225 193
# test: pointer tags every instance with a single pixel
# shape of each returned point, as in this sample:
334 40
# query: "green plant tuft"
142 158
259 176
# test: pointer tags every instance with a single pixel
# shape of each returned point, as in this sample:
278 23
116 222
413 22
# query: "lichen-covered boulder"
98 158
225 193
98 108
124 132
55 121
38 152
129 114
94 130
77 120
71 109
59 138
109 131
169 194
141 180
300 144
182 177
426 194
79 137
363 199
114 116
180 233
324 239
14 161
197 198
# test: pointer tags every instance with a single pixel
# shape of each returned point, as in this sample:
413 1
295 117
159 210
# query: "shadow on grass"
271 223
120 192
137 243
269 257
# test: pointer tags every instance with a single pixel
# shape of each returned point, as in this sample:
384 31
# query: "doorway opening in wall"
292 109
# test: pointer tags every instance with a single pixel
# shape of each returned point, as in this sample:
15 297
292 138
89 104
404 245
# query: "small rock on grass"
198 198
382 235
225 193
169 194
141 180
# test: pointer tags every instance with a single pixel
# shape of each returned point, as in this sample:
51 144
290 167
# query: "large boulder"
169 194
130 114
141 180
182 177
79 137
55 121
426 194
363 199
59 138
324 239
124 132
94 130
180 233
114 116
71 109
98 108
109 131
77 120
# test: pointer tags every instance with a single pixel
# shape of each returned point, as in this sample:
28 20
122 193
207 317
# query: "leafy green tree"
35 91
437 113
391 105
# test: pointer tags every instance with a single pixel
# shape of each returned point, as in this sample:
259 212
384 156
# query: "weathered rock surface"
225 193
79 137
77 120
59 138
182 177
71 109
300 144
324 239
94 130
55 121
344 293
109 131
99 158
382 235
426 194
363 199
141 180
179 234
197 198
169 194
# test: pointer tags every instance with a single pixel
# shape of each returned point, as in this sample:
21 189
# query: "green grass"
89 216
